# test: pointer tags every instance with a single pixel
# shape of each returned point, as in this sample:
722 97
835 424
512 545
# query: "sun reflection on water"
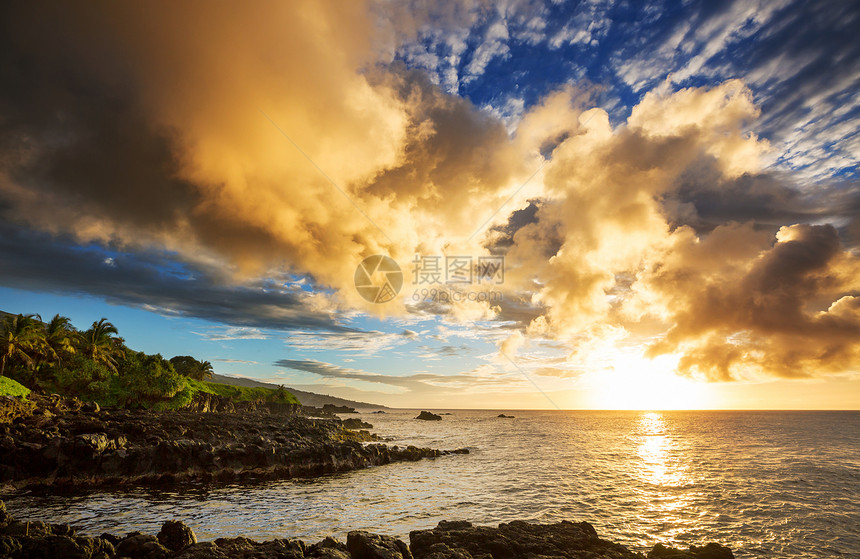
653 449
664 470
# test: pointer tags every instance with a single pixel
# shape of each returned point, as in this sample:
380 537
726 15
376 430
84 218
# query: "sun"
630 381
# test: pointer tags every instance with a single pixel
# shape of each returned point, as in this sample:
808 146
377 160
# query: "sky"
454 204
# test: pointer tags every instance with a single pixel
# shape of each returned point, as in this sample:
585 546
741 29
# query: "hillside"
306 398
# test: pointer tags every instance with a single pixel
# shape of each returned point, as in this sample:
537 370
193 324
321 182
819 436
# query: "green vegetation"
237 393
192 368
9 387
245 393
96 365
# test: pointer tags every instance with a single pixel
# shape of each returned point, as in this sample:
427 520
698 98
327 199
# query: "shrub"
82 377
147 379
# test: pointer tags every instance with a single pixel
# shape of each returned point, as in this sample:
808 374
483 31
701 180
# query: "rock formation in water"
355 424
427 416
449 540
331 408
62 442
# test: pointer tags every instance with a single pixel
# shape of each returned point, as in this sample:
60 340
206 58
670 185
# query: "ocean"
766 484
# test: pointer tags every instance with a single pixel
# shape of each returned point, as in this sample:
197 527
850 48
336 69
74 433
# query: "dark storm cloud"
73 133
704 200
39 262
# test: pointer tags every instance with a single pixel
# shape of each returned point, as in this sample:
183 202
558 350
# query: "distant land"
306 398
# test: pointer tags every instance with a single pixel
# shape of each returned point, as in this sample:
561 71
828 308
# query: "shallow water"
775 484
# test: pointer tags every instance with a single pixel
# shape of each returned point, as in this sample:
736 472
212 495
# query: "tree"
192 368
59 339
22 336
149 378
206 370
101 344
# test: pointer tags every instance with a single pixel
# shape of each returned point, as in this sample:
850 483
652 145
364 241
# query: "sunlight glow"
630 381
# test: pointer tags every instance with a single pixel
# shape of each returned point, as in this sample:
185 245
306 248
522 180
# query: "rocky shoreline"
57 442
449 540
54 442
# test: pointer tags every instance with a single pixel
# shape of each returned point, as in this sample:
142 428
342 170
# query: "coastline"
63 443
449 540
55 443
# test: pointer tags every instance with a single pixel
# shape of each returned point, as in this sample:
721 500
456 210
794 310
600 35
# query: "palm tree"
59 338
22 334
206 370
101 344
191 367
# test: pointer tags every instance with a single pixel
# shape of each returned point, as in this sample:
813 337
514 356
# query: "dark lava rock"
709 551
356 423
364 545
5 517
516 540
64 445
142 546
63 546
331 408
505 416
241 548
90 407
427 416
449 540
176 536
329 548
13 407
378 411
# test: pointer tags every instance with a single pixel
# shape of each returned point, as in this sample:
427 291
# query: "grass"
112 392
9 387
236 393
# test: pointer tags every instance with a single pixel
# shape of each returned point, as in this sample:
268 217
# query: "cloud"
243 361
425 383
741 310
146 152
509 346
347 343
240 172
155 281
234 333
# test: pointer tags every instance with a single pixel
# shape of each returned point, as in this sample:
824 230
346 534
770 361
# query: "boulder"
329 548
427 416
505 416
356 423
91 407
205 550
515 540
142 546
244 547
364 545
176 536
709 551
